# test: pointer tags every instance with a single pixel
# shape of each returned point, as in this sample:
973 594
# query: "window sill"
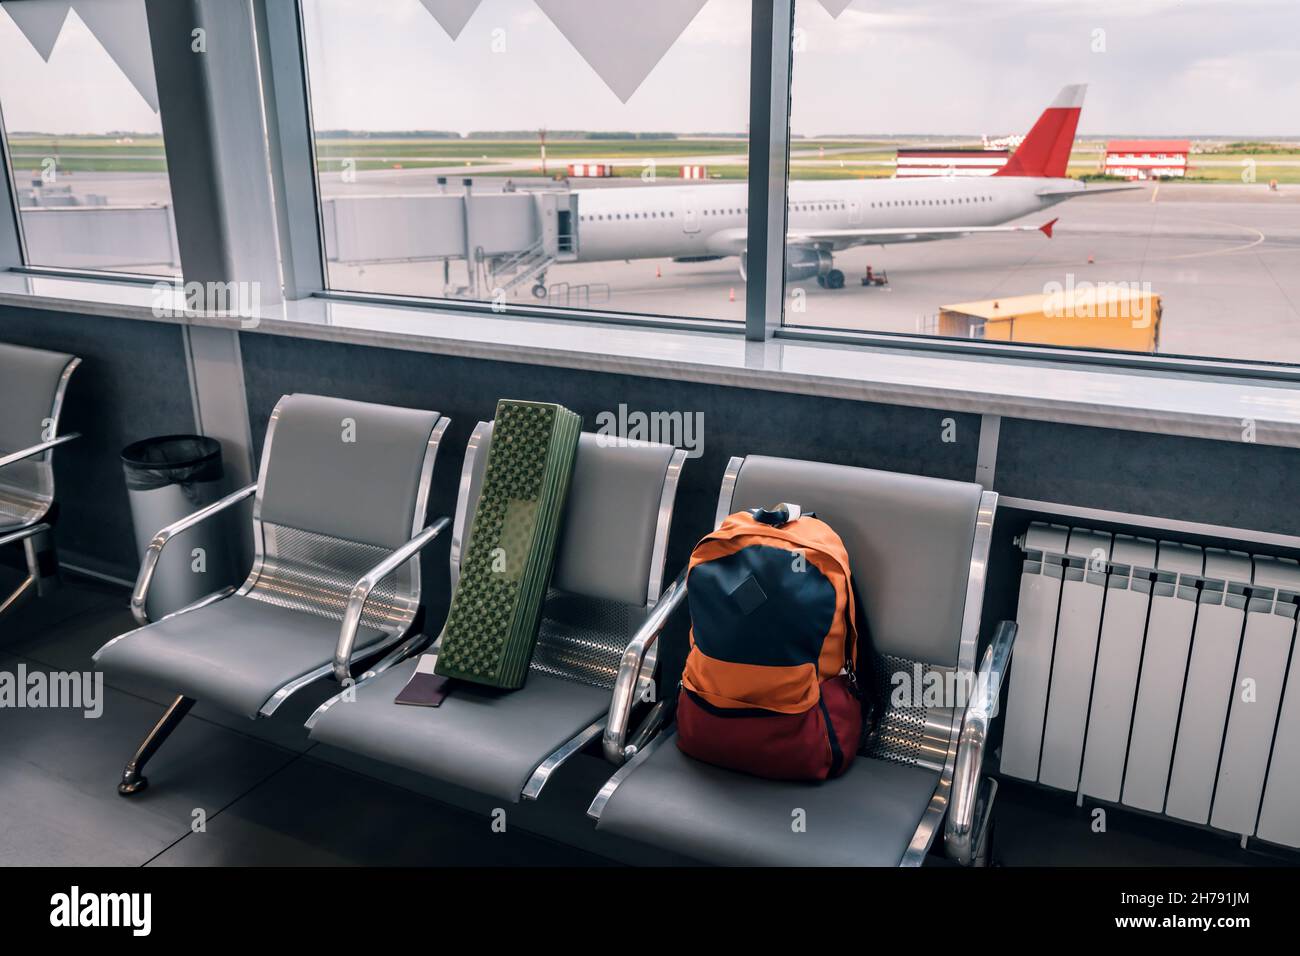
1192 404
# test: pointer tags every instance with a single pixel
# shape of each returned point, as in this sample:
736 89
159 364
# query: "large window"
80 109
537 152
935 146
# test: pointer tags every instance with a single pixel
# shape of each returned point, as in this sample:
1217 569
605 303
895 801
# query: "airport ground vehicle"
1098 317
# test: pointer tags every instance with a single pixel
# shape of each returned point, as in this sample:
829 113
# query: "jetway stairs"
513 271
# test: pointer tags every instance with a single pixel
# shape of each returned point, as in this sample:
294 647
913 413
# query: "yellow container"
1087 315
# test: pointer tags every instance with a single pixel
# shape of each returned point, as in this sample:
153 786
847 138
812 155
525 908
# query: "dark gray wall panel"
736 421
132 383
1236 484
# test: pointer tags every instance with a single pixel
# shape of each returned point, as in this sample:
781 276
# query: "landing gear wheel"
821 281
539 291
834 279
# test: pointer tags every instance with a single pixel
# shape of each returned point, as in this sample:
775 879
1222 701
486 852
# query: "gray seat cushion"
483 739
236 653
865 818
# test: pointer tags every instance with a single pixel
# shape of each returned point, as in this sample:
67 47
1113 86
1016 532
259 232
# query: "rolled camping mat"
492 626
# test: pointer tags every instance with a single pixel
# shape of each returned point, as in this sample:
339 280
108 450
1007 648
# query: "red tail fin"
1046 150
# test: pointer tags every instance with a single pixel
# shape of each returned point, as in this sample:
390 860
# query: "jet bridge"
508 236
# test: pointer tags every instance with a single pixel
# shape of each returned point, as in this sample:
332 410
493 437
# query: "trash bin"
167 478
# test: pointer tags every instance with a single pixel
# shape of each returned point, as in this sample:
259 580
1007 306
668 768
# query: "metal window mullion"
212 122
286 96
12 255
769 128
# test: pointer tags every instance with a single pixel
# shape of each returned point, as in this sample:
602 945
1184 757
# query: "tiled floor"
226 790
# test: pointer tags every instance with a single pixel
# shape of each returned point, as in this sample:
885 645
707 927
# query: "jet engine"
804 263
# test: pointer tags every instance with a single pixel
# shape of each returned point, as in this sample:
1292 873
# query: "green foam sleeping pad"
492 625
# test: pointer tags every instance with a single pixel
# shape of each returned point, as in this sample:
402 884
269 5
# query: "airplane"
705 223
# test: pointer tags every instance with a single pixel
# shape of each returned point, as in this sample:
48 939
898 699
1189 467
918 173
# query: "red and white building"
914 163
1147 158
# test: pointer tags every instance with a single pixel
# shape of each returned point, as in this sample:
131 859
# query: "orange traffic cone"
659 273
1091 259
732 296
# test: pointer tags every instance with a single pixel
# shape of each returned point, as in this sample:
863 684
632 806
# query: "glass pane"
516 151
951 177
85 145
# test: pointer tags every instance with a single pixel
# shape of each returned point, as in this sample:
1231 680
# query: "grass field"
813 159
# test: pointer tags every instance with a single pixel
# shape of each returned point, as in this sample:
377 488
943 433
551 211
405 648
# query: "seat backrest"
350 470
32 386
911 541
610 556
32 383
342 484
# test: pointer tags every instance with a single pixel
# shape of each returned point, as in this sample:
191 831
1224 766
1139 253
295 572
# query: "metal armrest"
38 449
154 551
613 741
361 594
13 537
968 813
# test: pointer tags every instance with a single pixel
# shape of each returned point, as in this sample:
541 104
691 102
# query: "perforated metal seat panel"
908 731
582 639
26 493
314 573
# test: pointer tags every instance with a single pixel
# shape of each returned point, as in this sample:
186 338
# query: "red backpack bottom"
817 744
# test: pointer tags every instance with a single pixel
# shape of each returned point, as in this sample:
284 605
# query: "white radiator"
1159 676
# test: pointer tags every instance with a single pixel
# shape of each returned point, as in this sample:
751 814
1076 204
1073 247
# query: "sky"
962 67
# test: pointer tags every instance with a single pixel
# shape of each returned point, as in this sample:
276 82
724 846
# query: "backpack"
769 686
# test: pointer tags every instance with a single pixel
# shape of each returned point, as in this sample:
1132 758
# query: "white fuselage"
645 222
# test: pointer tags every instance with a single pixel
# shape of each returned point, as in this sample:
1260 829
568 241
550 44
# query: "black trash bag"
183 460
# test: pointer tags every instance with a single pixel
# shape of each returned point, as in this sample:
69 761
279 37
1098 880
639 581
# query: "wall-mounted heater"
1160 676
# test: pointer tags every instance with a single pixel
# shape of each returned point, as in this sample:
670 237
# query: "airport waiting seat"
918 547
608 573
338 525
32 386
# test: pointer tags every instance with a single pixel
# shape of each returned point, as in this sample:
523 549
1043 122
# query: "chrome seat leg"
19 595
133 778
42 566
43 562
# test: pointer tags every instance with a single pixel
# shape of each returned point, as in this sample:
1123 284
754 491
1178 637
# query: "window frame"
289 139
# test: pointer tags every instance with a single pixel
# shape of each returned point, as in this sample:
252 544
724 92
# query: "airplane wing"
808 236
1087 190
